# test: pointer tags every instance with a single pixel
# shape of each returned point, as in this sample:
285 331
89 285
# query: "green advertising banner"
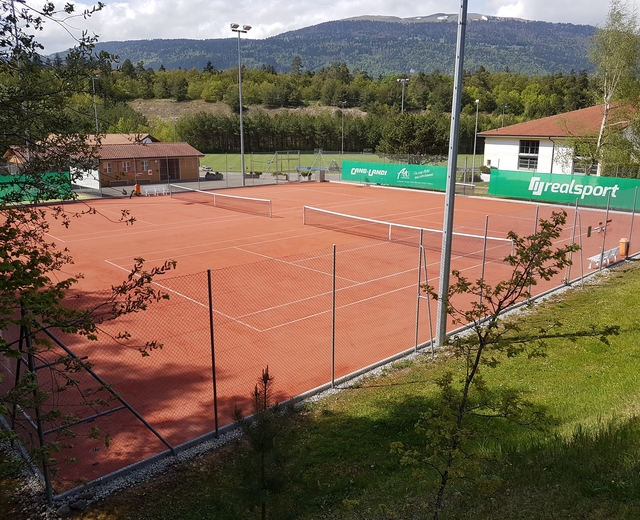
546 187
13 187
404 175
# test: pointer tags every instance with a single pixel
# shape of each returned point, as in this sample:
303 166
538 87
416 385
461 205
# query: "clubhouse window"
126 166
108 168
528 155
583 167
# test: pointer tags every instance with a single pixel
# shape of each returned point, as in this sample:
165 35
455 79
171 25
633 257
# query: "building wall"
118 176
503 153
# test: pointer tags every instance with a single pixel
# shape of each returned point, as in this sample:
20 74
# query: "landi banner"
405 175
546 187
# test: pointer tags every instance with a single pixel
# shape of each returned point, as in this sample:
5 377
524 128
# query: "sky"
204 19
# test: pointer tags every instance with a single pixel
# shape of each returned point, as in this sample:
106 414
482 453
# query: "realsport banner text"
547 187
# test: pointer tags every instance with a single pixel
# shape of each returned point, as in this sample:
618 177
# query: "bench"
608 256
155 190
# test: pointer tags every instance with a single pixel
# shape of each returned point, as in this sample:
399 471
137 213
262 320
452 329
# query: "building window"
144 166
108 168
528 155
126 166
584 167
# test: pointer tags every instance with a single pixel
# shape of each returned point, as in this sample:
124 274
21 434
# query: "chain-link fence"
314 319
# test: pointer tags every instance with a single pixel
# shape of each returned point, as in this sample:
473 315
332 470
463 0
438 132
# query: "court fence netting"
221 200
317 320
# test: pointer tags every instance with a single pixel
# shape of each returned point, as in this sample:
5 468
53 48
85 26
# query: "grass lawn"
335 461
263 162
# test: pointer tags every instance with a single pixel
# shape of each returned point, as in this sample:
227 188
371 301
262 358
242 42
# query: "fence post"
484 251
573 241
535 232
604 233
45 464
418 296
633 216
581 251
213 353
333 319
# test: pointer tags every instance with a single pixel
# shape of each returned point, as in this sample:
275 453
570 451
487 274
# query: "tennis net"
220 200
462 244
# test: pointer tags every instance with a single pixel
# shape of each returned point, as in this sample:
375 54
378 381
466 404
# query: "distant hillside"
385 45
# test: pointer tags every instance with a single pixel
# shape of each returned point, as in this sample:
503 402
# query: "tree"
450 427
296 66
262 430
614 51
128 69
35 277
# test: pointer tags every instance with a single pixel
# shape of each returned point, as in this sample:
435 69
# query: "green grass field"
336 462
266 162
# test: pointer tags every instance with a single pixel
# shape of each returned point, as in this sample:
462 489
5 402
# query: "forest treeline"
423 128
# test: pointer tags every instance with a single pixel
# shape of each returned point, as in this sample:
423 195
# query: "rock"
63 510
78 505
87 495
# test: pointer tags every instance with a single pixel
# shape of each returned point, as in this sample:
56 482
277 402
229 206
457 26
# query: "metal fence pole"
573 241
604 233
484 251
426 280
333 319
633 216
535 232
213 353
581 251
38 412
418 296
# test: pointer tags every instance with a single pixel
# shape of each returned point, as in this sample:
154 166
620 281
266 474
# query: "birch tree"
614 51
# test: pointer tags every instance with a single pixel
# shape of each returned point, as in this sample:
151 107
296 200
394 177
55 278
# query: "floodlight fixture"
343 103
404 81
475 140
235 27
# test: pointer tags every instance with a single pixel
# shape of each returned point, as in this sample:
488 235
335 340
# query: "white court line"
341 307
191 300
355 284
55 237
239 319
30 227
294 264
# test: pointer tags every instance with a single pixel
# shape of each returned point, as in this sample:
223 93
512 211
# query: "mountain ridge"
383 46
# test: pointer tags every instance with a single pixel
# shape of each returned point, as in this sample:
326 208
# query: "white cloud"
202 19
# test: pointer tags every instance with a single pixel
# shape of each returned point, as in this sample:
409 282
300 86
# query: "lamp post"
236 28
95 106
343 103
404 81
173 118
475 140
503 107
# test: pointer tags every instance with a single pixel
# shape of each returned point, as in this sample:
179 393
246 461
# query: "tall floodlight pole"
475 141
447 229
95 106
503 107
343 103
404 81
236 28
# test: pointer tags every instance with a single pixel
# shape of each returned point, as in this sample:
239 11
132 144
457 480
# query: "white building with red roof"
546 145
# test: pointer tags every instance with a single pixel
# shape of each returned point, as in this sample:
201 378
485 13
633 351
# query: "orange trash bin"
624 247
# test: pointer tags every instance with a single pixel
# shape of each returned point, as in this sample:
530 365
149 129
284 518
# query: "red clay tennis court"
273 299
